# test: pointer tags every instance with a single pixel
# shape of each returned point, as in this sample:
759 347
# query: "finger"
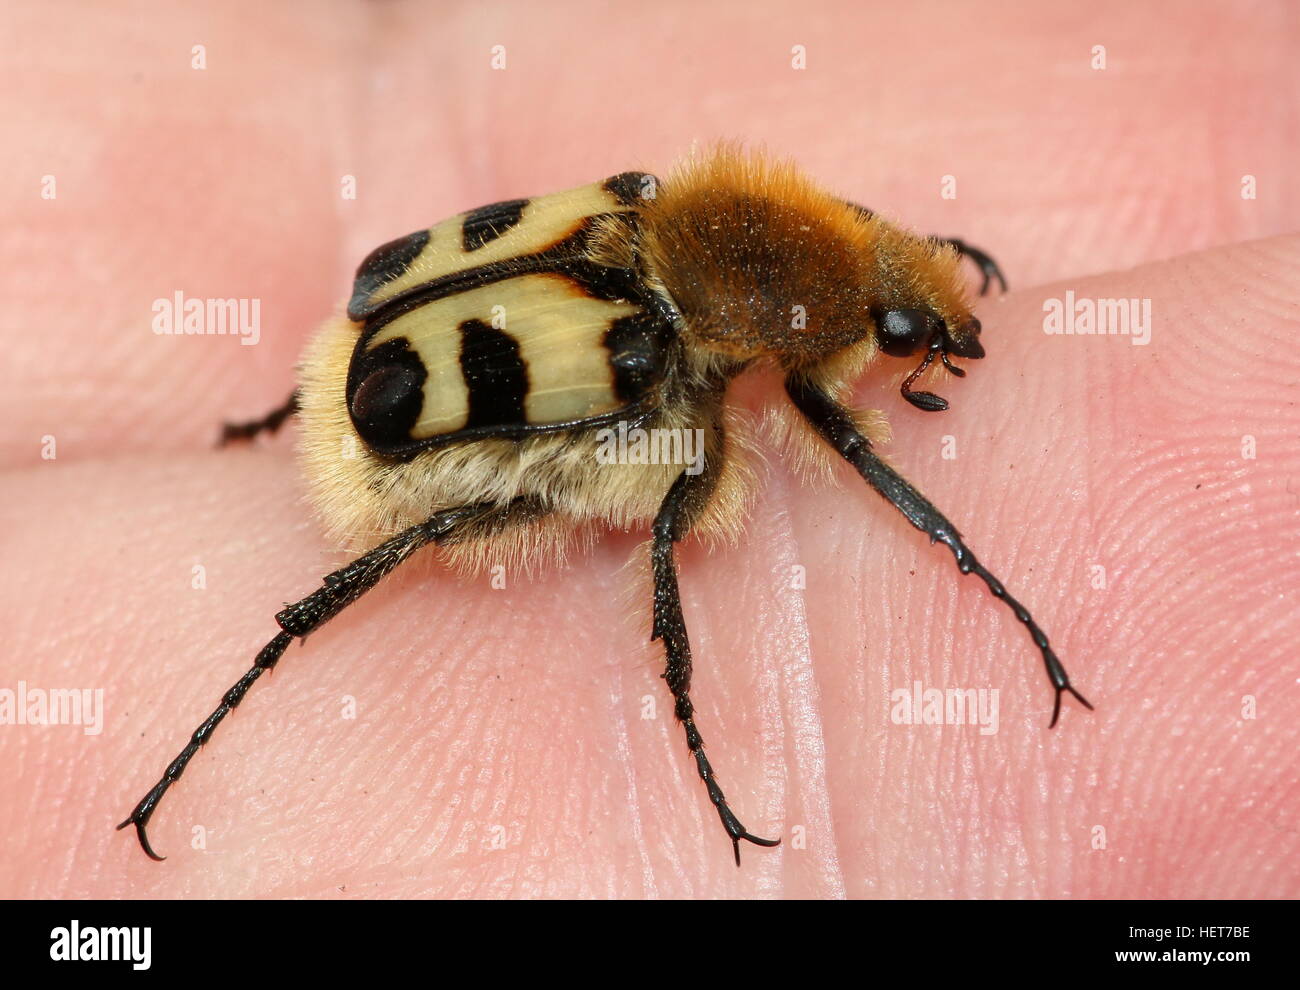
1004 130
447 735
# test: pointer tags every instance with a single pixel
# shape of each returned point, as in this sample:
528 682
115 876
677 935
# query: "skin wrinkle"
769 792
805 711
637 830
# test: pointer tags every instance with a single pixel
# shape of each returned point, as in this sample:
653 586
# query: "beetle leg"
687 495
987 266
269 423
338 590
837 427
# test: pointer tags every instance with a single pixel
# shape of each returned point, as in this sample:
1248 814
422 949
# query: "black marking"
382 265
495 374
638 351
566 259
385 393
627 187
487 223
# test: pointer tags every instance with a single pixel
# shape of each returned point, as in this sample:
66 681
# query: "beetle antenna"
926 400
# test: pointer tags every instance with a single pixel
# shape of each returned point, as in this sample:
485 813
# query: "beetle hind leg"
270 423
338 590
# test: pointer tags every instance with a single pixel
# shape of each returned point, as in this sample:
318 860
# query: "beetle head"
906 332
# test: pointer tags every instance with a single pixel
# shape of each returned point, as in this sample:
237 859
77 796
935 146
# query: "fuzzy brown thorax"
763 262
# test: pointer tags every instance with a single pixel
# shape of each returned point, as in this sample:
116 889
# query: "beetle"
460 400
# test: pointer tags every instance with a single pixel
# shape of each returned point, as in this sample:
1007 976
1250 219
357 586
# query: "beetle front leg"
987 266
837 428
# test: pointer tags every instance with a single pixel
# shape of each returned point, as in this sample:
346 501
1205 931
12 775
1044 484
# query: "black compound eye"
902 332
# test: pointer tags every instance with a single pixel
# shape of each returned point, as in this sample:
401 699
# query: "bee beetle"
461 400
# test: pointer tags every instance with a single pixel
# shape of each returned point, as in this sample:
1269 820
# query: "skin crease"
517 713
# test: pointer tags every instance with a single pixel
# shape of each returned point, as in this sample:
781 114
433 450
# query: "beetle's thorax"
730 240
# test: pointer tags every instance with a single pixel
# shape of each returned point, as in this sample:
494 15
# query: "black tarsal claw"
756 840
143 837
1056 707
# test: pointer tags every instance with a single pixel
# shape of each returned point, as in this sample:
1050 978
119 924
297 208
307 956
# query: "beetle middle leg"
685 498
338 590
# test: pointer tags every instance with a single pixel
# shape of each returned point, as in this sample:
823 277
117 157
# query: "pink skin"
517 713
